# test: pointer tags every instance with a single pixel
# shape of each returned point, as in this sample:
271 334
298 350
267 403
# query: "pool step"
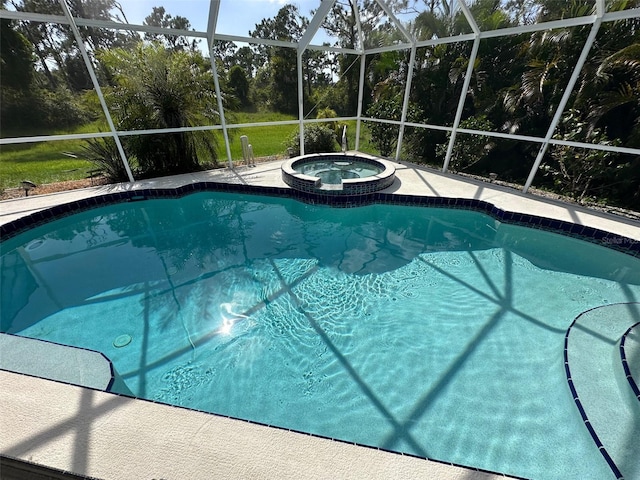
62 363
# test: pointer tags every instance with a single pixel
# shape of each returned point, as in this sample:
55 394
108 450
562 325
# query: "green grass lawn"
49 162
266 141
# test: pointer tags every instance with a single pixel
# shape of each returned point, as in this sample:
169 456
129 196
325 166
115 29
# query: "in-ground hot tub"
338 173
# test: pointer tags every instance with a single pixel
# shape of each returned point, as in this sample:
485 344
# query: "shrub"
105 157
317 139
468 150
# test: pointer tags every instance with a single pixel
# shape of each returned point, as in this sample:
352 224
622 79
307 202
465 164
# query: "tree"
578 172
317 139
160 88
383 135
16 58
244 58
281 62
239 84
55 45
160 18
468 150
23 103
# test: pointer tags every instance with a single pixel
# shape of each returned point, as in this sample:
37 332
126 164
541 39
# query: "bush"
317 139
468 150
41 109
105 157
384 136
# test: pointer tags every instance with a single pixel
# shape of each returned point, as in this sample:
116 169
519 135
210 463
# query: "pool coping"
263 180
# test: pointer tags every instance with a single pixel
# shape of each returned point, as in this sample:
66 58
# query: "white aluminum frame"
305 43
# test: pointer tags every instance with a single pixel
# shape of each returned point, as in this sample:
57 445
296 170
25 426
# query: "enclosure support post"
463 98
467 81
363 63
211 30
405 104
300 101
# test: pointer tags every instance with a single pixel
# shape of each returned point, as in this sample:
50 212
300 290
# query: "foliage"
55 46
16 57
158 88
239 84
580 172
333 125
40 109
160 18
105 157
468 150
383 135
317 139
281 77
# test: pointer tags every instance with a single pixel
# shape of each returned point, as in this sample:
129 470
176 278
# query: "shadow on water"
400 430
504 302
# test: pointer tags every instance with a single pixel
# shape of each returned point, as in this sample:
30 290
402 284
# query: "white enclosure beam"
322 11
300 102
326 48
96 85
469 16
467 37
538 27
212 23
461 101
363 65
405 33
389 48
211 31
405 103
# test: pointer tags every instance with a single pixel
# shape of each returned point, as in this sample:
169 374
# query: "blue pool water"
333 172
430 331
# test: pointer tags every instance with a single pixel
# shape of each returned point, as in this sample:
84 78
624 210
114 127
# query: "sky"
236 17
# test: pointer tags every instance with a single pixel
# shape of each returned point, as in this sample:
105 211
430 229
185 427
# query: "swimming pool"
414 329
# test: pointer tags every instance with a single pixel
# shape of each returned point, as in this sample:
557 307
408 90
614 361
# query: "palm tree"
156 88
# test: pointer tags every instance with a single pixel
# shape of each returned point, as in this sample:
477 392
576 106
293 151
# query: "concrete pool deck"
102 435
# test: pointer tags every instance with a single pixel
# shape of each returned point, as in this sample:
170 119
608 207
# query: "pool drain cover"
122 341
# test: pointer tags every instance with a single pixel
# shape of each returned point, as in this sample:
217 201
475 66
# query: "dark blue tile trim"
616 471
616 242
625 364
